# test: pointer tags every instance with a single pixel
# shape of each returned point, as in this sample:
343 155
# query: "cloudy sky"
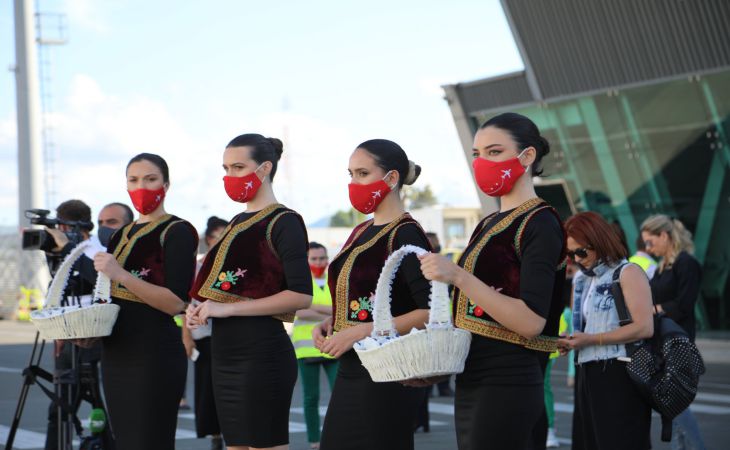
181 79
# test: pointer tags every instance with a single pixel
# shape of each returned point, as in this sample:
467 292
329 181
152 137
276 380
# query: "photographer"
66 237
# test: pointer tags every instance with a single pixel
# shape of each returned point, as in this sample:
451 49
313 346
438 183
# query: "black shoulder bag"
665 368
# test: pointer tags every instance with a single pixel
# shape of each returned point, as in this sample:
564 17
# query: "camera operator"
79 289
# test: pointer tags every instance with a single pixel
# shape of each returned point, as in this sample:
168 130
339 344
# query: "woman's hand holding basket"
107 264
439 268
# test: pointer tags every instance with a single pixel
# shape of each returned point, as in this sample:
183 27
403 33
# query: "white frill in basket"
440 349
76 322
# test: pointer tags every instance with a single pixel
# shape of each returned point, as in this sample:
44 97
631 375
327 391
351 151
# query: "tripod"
72 386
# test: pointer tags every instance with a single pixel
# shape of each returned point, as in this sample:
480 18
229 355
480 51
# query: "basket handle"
58 284
439 314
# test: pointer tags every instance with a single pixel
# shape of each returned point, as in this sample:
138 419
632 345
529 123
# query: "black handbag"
665 368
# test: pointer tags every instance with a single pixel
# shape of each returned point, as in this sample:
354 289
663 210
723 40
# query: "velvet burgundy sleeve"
541 247
180 249
290 242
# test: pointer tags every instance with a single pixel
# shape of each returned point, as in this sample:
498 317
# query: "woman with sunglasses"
253 279
507 293
610 412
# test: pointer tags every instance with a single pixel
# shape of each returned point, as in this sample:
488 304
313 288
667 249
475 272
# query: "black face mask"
437 249
105 234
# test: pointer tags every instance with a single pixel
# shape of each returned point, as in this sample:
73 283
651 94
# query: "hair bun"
545 146
414 170
278 146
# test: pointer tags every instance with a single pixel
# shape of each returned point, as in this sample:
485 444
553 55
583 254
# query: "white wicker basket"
440 349
76 322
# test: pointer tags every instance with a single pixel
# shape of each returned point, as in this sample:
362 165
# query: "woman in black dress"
252 280
363 414
507 292
675 288
151 263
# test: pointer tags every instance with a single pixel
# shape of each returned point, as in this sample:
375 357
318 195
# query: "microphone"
97 421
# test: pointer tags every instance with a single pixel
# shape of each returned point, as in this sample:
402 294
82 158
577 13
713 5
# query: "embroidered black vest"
353 282
142 254
244 265
494 257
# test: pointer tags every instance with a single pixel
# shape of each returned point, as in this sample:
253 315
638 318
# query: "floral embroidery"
229 278
475 310
361 308
140 273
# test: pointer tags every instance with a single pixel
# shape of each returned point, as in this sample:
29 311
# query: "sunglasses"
579 252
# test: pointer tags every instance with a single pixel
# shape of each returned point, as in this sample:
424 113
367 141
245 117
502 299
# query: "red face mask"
242 189
145 200
366 197
317 272
497 178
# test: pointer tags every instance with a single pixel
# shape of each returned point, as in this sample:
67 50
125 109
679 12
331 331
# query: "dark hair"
214 222
592 230
128 214
315 245
524 132
262 149
154 159
390 156
75 211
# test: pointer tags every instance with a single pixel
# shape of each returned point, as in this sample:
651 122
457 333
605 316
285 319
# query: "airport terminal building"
634 97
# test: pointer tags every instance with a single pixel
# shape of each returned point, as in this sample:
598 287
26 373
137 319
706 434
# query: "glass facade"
656 148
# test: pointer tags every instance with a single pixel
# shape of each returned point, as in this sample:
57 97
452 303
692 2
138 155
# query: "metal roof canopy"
574 47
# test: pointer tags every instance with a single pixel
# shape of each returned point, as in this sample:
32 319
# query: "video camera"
40 239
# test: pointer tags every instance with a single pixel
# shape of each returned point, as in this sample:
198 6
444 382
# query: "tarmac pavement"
711 408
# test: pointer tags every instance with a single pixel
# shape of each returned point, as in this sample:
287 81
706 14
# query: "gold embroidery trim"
496 331
270 228
360 231
230 233
343 279
493 329
124 248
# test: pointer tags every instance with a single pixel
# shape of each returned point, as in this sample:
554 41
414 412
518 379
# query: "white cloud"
97 132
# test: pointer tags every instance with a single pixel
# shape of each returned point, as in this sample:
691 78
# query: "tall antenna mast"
50 32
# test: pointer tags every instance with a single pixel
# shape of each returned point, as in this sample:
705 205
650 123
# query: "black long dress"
363 414
144 361
254 368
